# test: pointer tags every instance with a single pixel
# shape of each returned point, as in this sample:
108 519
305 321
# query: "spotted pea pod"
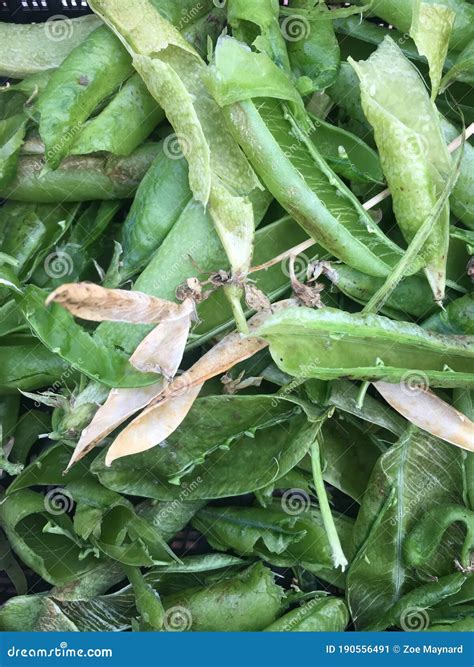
80 178
329 344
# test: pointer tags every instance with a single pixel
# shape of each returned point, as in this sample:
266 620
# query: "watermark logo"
58 28
295 501
177 619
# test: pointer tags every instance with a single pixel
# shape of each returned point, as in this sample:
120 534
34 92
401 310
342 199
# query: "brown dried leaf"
163 415
161 351
424 409
92 302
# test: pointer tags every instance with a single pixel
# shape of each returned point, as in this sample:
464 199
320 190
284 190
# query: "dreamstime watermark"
176 146
189 15
58 28
414 383
301 263
295 502
61 651
295 28
173 506
58 264
414 619
177 619
58 501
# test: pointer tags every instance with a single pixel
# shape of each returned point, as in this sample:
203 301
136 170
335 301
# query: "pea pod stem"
338 556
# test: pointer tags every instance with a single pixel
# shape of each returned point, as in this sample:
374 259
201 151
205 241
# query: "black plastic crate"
35 11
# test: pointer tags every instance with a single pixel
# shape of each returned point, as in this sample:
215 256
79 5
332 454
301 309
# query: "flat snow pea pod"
249 601
326 614
400 15
124 124
28 49
414 156
88 75
310 192
315 53
56 328
81 178
56 557
329 344
348 155
160 199
27 365
456 318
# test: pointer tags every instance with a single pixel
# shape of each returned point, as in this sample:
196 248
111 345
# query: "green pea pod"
35 47
462 69
456 318
318 615
80 178
329 344
312 44
27 366
400 14
147 599
274 535
124 124
346 154
55 556
91 72
417 173
423 541
160 199
249 601
11 319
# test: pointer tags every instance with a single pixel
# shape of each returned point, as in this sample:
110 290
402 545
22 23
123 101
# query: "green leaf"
57 329
330 343
463 68
418 473
12 134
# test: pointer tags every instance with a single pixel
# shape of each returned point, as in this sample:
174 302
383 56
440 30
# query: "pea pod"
462 197
124 123
29 49
456 318
400 14
164 188
318 615
248 601
330 344
423 541
309 190
315 55
91 72
80 178
27 366
417 174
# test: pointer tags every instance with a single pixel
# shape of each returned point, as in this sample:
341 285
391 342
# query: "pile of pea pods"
237 318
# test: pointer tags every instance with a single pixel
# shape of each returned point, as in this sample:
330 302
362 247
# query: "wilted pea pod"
35 47
400 15
81 178
248 601
415 173
90 73
326 614
329 344
312 45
